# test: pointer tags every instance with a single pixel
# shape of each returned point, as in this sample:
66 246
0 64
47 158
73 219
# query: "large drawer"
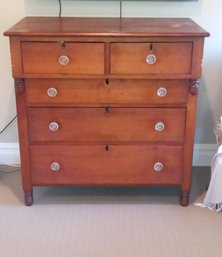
133 58
97 165
107 124
105 92
52 58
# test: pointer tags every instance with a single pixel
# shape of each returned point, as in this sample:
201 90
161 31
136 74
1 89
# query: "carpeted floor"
106 222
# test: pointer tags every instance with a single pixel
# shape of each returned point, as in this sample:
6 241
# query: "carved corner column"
19 86
194 86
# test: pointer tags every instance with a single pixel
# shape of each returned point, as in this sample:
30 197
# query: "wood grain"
171 58
93 125
97 92
43 57
120 165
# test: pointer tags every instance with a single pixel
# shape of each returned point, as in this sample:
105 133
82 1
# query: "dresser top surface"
70 26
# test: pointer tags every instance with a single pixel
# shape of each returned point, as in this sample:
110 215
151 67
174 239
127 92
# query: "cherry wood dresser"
106 101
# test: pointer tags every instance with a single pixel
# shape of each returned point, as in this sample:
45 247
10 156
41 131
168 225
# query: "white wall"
10 12
205 12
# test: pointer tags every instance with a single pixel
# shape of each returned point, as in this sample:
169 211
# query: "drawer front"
105 92
107 124
133 58
51 58
95 165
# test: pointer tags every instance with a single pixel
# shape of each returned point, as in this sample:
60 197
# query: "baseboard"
9 153
203 153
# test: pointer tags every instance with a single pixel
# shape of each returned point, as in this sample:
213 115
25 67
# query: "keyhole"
107 148
107 109
63 45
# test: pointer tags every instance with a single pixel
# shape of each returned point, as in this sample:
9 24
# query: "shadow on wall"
11 133
205 122
110 8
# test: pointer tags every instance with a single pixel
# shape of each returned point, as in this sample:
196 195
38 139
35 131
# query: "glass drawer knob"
162 91
158 166
52 92
53 126
159 126
55 166
63 60
151 59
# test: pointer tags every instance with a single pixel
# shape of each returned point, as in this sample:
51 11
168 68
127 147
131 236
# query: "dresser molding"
106 101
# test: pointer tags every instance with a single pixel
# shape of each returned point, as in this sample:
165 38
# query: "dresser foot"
184 198
28 198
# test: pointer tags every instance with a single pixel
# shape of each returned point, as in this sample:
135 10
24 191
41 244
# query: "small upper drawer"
151 58
96 92
72 58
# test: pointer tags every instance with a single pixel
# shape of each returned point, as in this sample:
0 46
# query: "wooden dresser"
106 101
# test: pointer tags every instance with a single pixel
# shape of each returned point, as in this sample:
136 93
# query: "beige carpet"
107 222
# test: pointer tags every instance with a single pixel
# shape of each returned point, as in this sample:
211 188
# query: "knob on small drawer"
158 166
159 126
151 59
55 166
63 60
52 92
53 126
162 91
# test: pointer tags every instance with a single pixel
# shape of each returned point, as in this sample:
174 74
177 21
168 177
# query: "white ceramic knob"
159 126
162 91
151 59
55 166
52 92
53 126
63 60
158 166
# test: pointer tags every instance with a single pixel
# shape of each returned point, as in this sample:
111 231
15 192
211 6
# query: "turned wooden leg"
28 198
184 198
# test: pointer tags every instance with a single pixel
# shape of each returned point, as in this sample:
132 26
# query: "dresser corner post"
28 197
19 84
184 198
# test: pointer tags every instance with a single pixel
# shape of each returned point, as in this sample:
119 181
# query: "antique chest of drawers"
106 101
